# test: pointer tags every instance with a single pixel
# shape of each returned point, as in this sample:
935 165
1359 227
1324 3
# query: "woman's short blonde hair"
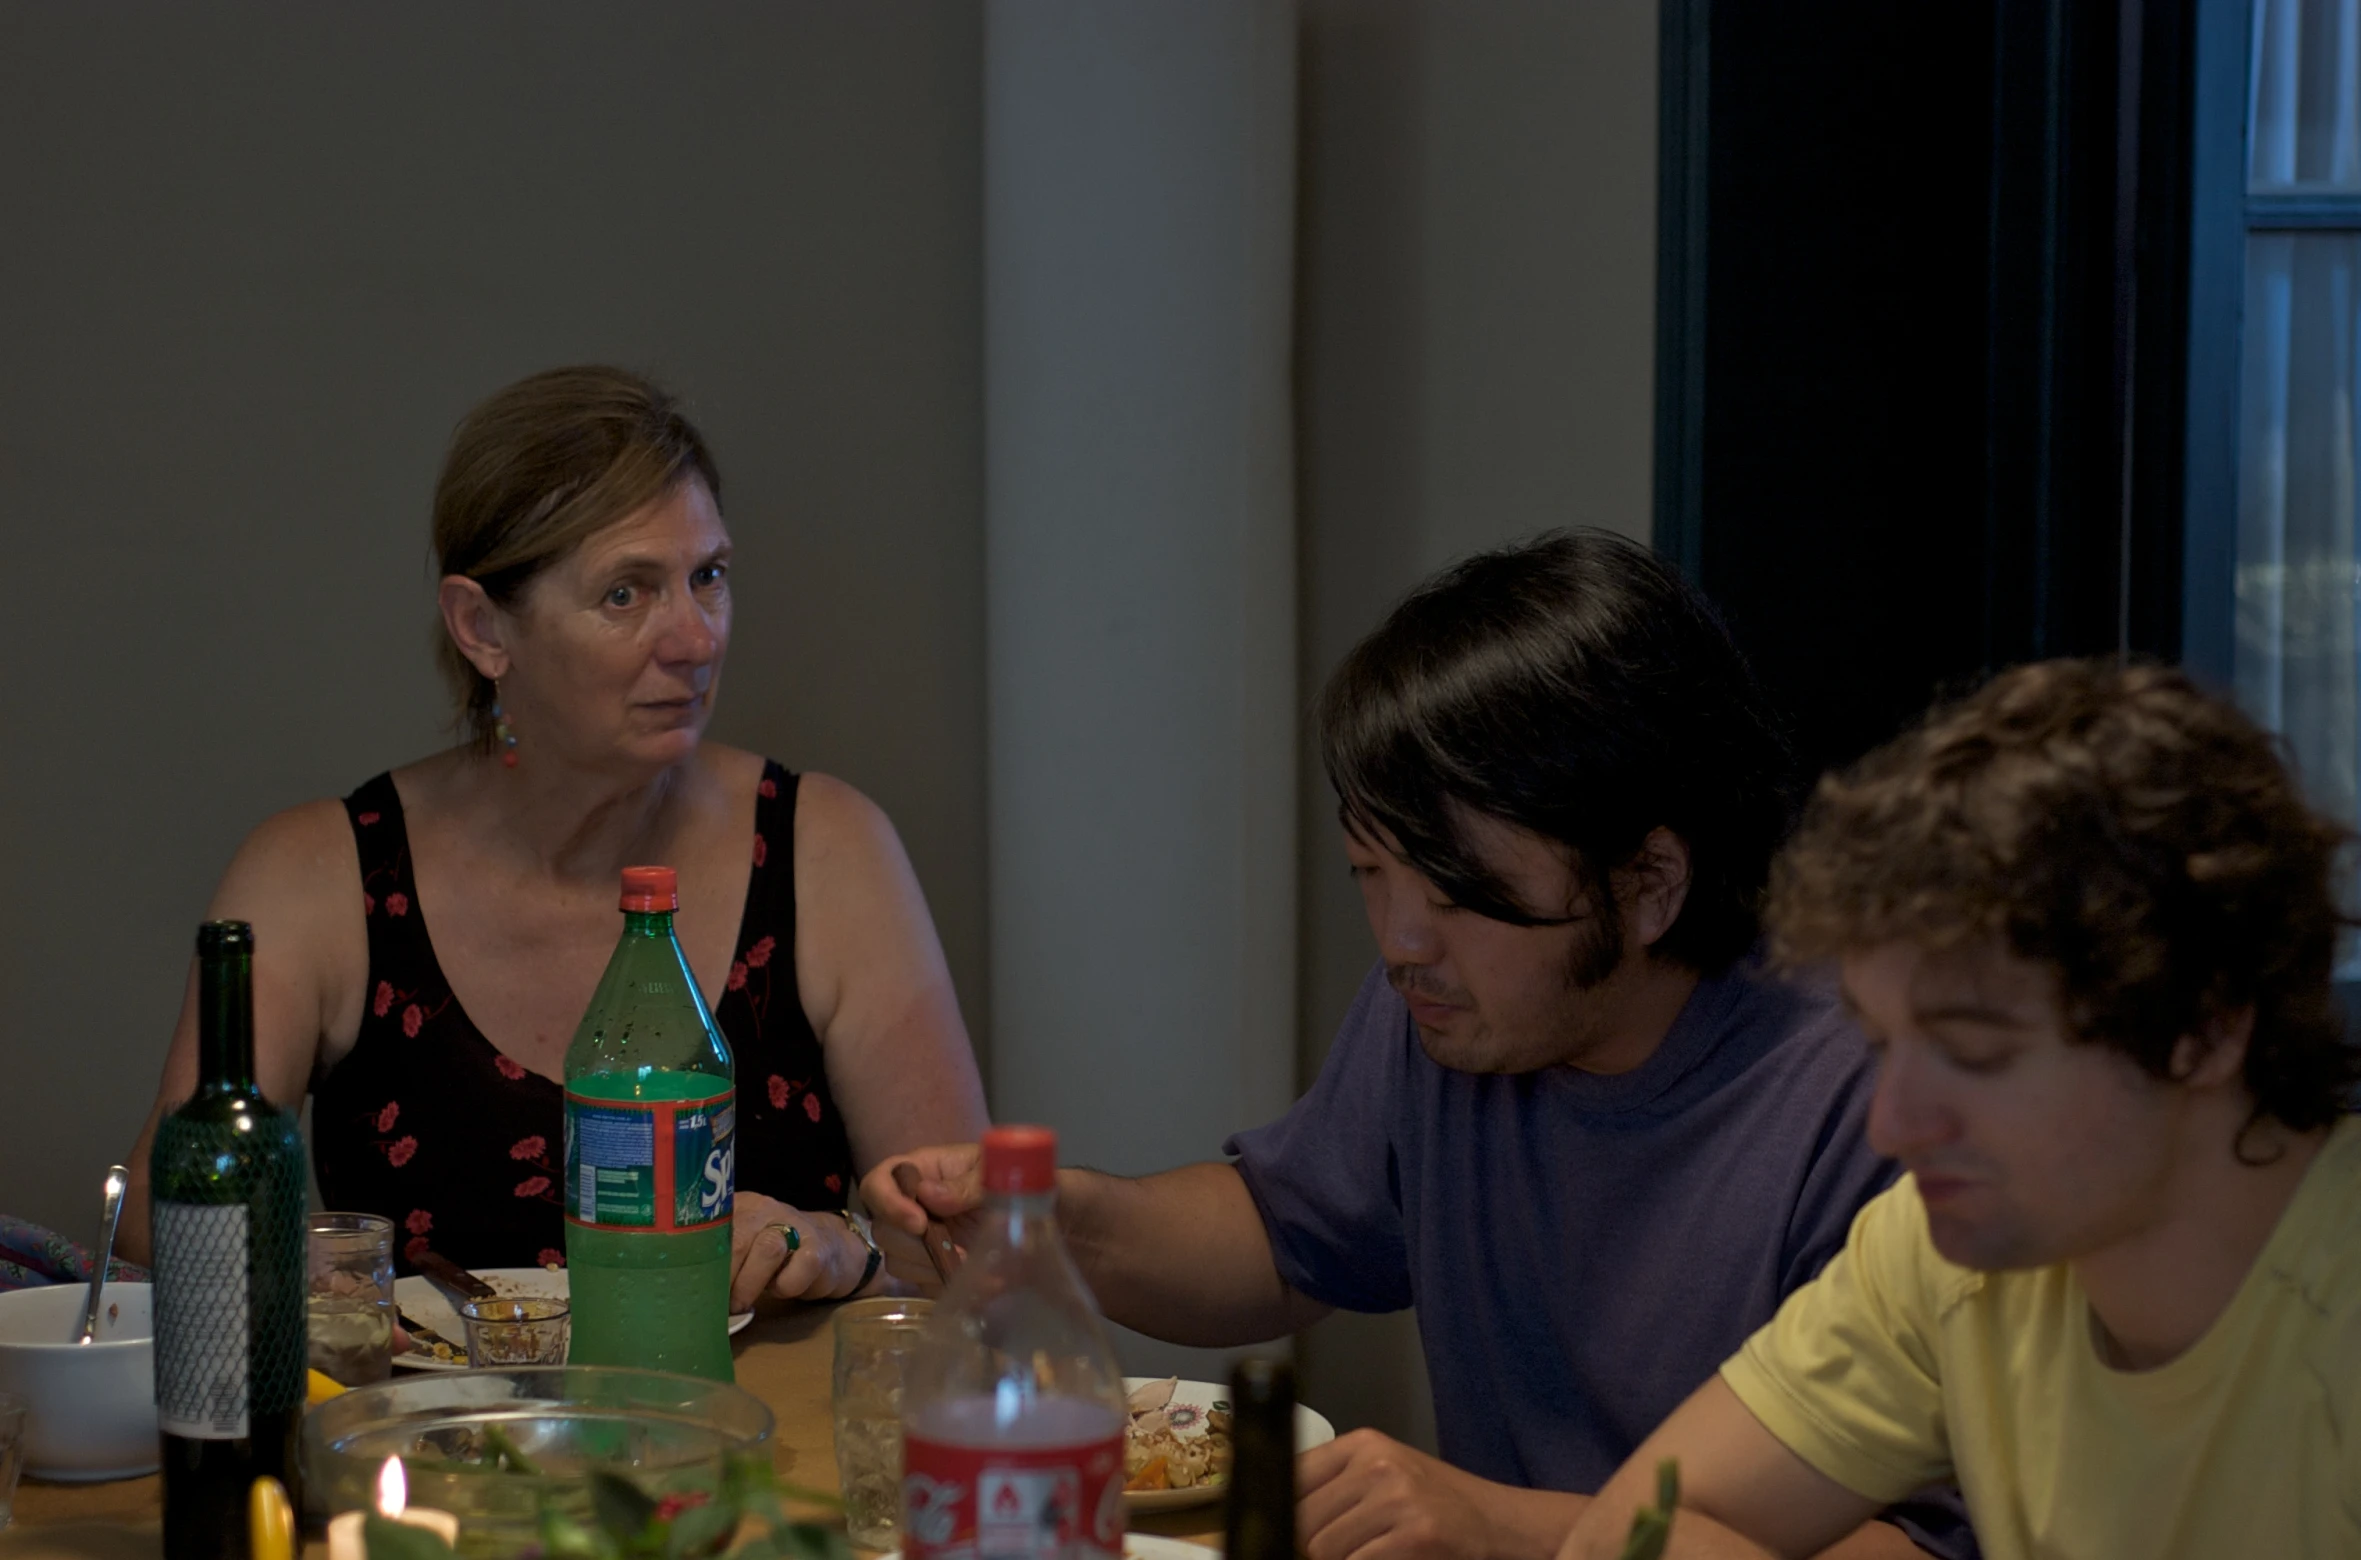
539 468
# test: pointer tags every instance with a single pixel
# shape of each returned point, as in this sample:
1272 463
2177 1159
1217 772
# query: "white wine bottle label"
204 1320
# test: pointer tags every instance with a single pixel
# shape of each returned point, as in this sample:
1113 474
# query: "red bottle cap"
651 888
1020 1159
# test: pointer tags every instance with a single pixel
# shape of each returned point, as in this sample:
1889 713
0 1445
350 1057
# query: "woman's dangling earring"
502 736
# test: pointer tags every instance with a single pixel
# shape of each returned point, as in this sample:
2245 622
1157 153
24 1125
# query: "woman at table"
425 947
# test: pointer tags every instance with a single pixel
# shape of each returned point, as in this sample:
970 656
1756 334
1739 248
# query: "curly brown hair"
2142 838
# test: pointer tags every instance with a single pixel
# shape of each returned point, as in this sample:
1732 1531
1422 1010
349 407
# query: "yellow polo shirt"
1895 1369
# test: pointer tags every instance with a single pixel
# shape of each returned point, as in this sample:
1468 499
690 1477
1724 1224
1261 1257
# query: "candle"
346 1539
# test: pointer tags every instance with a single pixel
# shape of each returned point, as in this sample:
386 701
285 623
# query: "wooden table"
784 1359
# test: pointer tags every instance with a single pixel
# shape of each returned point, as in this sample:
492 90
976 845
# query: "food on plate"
1174 1446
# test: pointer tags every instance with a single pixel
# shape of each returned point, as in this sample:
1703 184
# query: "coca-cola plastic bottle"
1012 1405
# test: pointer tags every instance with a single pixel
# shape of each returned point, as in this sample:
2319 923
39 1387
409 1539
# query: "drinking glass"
874 1340
515 1330
349 1290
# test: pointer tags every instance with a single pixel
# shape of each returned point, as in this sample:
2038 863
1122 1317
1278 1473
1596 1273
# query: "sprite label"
662 1165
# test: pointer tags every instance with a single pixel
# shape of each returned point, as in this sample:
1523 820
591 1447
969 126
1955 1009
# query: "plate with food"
1176 1448
438 1339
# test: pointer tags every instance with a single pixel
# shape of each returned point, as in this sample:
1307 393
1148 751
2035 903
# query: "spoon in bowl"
117 1179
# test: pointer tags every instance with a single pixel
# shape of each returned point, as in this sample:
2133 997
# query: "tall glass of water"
874 1339
349 1294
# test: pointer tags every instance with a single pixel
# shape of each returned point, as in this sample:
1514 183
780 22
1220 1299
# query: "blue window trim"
2219 216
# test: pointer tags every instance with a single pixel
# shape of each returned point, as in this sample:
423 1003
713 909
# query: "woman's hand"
826 1264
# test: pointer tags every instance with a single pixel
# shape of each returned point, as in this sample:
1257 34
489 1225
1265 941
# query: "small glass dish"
513 1330
455 1431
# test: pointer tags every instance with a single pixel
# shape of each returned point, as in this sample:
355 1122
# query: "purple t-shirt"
1583 1251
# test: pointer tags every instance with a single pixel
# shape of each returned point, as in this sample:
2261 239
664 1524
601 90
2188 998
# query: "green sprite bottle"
227 1191
651 1155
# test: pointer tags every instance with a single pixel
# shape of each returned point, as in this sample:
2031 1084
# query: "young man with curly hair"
2088 924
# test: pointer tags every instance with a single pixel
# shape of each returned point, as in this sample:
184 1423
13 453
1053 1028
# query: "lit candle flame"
393 1488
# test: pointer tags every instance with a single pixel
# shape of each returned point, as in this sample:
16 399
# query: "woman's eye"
709 575
620 596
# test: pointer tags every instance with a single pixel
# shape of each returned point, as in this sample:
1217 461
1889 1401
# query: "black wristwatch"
859 1225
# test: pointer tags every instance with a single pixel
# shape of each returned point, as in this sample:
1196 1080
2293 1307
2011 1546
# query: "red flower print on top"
397 904
414 1248
528 1148
419 1222
551 1257
366 819
834 1183
779 1092
382 1003
737 980
388 1116
401 1152
368 904
811 1106
760 954
413 1020
532 1186
762 850
510 1068
768 787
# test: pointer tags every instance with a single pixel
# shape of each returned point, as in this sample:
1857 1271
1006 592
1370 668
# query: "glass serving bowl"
669 1434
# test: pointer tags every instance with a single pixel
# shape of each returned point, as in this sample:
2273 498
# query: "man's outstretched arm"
1182 1256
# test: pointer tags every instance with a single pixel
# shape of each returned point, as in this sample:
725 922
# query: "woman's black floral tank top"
425 1122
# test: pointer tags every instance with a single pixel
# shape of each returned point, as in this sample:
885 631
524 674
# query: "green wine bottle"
1259 1523
228 1185
651 1155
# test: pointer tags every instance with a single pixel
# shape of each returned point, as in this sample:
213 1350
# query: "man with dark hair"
2089 924
1567 1117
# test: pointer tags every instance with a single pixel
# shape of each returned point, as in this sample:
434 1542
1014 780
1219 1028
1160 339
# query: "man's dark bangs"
1392 740
1577 688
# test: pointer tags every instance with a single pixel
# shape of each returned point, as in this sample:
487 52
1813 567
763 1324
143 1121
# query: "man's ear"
1653 886
2215 1055
475 625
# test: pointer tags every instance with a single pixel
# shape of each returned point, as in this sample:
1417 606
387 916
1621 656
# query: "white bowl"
94 1404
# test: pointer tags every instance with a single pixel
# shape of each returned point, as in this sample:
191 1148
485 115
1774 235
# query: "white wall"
1475 353
257 262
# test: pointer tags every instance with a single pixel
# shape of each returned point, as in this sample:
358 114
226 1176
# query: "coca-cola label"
1012 1503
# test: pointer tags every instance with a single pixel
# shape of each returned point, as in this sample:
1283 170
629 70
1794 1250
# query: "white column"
1140 569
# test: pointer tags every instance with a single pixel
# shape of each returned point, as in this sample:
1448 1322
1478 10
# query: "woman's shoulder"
303 848
835 820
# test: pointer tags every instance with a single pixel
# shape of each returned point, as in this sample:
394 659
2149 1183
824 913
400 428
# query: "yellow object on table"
270 1521
319 1386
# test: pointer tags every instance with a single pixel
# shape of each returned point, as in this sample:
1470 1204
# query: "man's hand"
1367 1497
950 1188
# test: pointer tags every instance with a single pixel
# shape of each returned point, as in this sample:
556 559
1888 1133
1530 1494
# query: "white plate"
1142 1546
1311 1429
419 1300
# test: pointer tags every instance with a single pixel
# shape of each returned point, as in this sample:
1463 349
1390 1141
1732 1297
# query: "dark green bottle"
1260 1521
228 1185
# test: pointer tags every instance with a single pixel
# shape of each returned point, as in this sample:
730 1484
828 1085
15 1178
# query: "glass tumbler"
348 1278
874 1339
515 1330
12 1451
